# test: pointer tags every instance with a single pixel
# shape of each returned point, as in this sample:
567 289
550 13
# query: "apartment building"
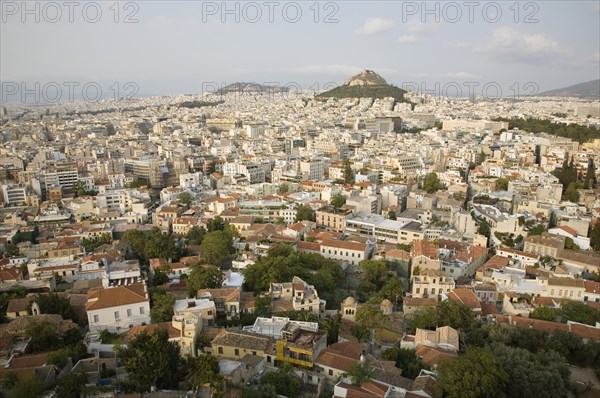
431 284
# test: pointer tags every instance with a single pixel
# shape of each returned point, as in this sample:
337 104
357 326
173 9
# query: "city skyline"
184 49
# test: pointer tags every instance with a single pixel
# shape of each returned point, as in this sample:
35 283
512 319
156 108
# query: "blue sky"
183 46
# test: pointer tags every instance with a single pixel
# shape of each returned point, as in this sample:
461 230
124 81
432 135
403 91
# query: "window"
141 310
330 372
237 352
254 353
128 312
96 318
418 290
117 315
220 350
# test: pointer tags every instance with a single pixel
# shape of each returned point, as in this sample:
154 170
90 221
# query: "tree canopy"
477 373
205 277
216 247
432 183
151 360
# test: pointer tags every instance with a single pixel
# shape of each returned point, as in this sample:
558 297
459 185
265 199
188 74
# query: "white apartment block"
118 309
351 252
312 170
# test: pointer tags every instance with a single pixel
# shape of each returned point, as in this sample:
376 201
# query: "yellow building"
235 346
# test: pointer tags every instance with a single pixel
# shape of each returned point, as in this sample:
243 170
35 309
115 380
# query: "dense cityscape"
356 240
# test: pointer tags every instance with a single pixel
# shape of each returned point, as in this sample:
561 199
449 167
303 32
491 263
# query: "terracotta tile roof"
308 246
341 244
149 329
341 355
425 248
592 287
568 230
432 356
115 296
496 262
398 254
466 297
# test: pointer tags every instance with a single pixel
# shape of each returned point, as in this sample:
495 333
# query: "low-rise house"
297 296
412 305
118 308
297 343
226 300
350 252
234 345
18 307
203 309
566 288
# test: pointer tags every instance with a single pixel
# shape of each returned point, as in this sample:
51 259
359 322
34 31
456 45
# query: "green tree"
432 183
577 311
162 308
477 373
595 236
446 313
393 290
304 212
196 235
9 380
52 303
71 386
392 215
27 386
406 359
359 373
545 313
570 244
484 228
203 369
590 181
205 277
332 327
262 306
151 360
371 317
532 375
348 172
216 247
284 383
160 277
338 200
185 198
571 193
43 335
502 184
216 224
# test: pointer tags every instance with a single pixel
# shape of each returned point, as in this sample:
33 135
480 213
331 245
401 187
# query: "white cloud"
407 39
415 31
373 26
509 45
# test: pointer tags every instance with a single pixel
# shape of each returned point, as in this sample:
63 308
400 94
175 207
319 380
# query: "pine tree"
590 181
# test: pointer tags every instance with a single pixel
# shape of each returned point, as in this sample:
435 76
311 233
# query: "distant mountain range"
589 89
366 84
241 87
